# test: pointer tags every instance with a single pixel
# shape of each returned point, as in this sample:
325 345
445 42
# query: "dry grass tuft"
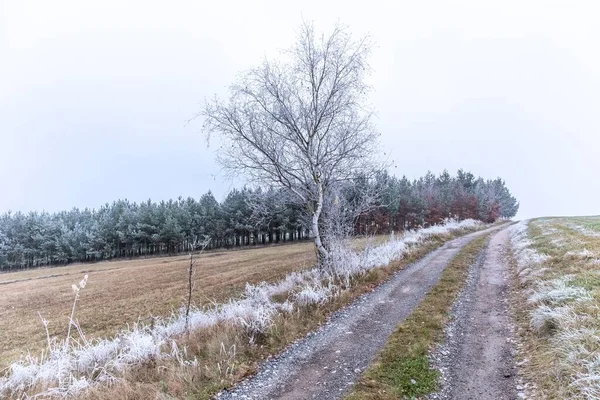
558 306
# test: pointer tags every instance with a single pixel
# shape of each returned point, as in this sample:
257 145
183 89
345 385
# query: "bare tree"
346 202
301 122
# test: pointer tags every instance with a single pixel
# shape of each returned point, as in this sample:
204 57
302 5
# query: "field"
557 268
119 292
228 341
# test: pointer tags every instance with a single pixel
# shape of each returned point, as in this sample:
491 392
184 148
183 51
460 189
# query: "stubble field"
120 292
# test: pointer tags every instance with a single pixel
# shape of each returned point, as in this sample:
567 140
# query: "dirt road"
325 364
477 360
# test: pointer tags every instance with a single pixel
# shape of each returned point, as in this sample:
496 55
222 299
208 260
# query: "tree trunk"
322 253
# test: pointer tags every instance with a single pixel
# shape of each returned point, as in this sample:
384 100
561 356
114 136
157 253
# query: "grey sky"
94 95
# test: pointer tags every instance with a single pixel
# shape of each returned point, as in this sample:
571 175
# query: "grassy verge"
557 307
402 369
224 353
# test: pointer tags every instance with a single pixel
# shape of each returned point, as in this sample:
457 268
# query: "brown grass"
168 380
121 291
546 364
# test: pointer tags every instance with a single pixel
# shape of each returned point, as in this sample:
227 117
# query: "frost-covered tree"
246 216
300 122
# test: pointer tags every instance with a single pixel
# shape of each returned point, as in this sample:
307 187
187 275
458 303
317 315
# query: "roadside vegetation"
225 342
557 304
402 369
123 292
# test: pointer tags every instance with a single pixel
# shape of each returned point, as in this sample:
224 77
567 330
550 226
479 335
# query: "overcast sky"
95 95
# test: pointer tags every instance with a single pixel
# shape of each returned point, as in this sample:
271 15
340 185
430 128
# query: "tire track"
477 359
326 363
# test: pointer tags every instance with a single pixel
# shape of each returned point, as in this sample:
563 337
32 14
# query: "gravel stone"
326 363
477 358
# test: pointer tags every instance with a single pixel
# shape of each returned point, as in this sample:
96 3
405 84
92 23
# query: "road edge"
413 374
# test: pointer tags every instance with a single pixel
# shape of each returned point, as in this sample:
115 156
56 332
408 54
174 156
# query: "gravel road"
325 364
477 359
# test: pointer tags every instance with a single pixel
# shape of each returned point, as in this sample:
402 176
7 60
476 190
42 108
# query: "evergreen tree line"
128 229
426 201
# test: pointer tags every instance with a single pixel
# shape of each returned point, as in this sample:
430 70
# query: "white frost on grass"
584 254
67 371
529 261
584 230
562 311
526 256
588 382
559 291
551 298
317 294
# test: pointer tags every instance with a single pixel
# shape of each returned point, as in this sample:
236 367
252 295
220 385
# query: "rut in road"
477 360
326 363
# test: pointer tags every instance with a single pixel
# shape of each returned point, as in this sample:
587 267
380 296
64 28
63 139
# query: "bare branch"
301 122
